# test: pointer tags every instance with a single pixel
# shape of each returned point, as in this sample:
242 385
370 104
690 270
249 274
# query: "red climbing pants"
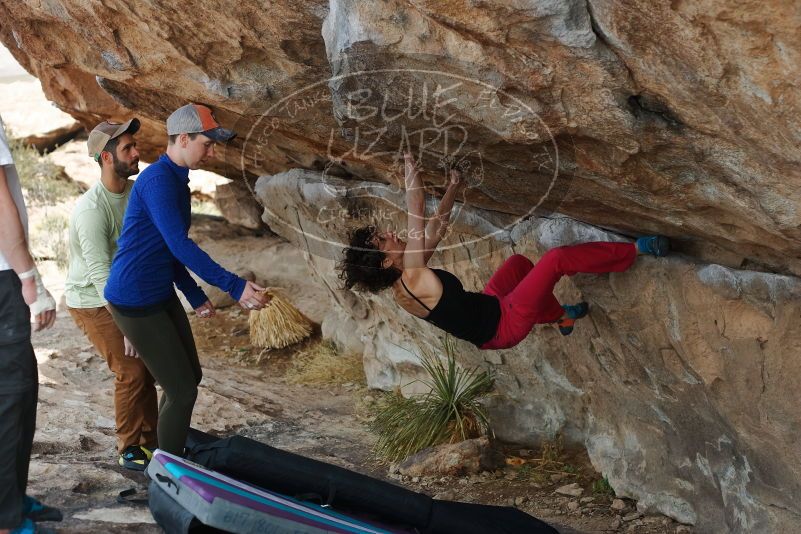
525 290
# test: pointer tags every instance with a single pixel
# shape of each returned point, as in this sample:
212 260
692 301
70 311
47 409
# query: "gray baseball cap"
196 118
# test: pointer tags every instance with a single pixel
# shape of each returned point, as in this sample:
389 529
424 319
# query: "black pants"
18 392
165 343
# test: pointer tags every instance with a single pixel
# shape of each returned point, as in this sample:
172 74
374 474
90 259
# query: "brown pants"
135 404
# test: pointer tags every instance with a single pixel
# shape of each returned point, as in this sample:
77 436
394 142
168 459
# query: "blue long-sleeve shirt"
154 249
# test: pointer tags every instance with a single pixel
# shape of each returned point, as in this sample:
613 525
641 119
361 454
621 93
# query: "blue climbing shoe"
656 245
36 511
572 312
29 527
576 311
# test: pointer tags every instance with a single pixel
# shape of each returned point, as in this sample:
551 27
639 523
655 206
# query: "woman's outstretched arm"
414 256
437 227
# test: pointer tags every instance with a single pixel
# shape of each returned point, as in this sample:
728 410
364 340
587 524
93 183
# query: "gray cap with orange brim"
197 118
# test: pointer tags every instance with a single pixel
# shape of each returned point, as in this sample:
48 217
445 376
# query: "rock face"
679 383
629 115
674 117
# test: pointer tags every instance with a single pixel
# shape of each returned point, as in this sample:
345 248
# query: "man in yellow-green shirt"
95 225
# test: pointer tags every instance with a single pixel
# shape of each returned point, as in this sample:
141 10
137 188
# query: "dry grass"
279 324
553 460
50 240
44 182
320 364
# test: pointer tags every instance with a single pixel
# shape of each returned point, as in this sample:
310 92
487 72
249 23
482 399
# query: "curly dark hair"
361 266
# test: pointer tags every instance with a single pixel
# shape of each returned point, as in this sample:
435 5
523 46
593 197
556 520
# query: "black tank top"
471 316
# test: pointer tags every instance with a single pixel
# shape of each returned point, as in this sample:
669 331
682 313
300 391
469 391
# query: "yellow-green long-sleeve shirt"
95 226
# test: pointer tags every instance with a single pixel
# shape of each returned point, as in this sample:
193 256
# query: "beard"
124 169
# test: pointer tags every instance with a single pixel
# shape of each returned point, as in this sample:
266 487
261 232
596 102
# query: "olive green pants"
135 408
165 344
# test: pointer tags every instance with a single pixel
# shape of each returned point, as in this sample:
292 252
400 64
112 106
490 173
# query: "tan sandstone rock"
678 118
453 459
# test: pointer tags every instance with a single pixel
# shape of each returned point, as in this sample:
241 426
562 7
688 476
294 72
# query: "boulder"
453 459
674 355
238 205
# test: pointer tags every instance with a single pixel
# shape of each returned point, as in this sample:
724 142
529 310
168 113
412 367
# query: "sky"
8 65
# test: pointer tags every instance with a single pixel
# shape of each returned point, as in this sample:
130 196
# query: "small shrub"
602 487
553 451
44 182
450 412
551 461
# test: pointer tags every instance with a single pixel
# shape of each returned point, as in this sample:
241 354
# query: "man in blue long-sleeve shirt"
153 254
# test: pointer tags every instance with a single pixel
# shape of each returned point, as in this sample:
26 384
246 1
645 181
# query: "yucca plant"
450 412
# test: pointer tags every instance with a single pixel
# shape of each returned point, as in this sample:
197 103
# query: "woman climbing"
518 296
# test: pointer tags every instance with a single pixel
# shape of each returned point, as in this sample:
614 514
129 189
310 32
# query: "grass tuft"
450 412
552 460
602 487
321 364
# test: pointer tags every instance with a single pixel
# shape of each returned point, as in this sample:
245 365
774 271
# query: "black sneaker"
134 458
